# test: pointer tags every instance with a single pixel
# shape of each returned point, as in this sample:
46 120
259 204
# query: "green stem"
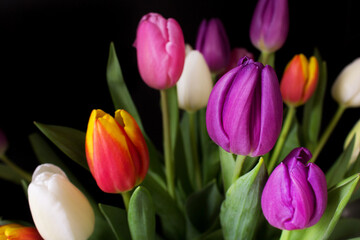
194 151
168 153
280 142
25 175
328 132
285 235
267 58
126 198
240 159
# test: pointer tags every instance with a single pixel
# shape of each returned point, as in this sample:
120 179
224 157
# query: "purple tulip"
270 25
160 51
295 196
244 112
213 43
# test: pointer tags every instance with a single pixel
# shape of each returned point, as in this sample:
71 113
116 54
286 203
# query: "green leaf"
117 86
338 197
338 170
9 174
227 162
314 107
241 210
217 235
171 218
116 218
70 141
203 207
141 215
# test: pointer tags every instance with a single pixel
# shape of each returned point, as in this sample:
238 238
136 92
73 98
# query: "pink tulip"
160 51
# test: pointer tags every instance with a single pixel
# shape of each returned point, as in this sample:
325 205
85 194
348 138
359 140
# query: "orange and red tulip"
116 151
18 232
299 80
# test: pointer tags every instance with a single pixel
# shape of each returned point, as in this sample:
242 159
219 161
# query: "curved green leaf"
141 215
241 210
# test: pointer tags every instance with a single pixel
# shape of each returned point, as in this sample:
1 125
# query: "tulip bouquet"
231 167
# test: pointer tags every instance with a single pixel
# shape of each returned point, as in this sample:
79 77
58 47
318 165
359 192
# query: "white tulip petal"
195 84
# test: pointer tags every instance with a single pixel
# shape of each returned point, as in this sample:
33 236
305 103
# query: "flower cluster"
230 159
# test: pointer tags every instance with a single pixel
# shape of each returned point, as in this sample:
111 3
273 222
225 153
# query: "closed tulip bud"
346 88
116 151
160 51
270 25
195 83
18 232
235 56
213 43
59 210
299 80
3 143
244 112
295 195
355 131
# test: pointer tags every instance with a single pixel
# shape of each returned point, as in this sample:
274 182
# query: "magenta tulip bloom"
270 25
244 112
160 51
213 43
295 196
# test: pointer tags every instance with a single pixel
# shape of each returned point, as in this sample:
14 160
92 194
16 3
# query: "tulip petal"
317 180
313 77
214 111
115 151
240 109
270 120
276 198
59 209
151 54
134 133
302 198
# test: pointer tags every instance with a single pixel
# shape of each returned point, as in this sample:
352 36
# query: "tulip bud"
116 151
355 131
160 50
195 83
295 195
18 232
346 88
3 143
244 112
270 25
213 43
299 80
59 209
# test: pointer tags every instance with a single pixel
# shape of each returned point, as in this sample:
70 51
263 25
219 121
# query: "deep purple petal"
214 110
302 198
297 154
276 198
270 113
239 112
317 180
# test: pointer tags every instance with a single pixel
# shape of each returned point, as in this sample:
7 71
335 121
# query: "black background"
53 59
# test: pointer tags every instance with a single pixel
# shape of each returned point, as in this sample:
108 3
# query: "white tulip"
59 210
355 131
195 83
346 88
